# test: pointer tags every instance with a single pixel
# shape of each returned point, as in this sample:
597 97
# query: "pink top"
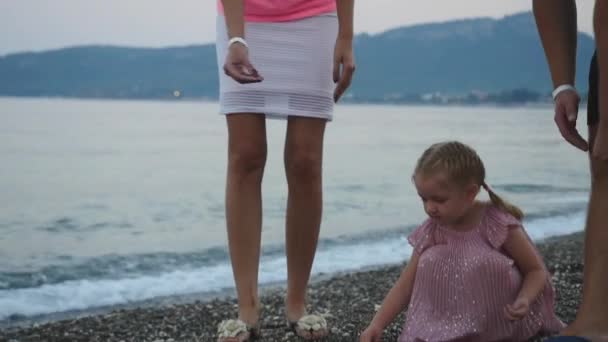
283 10
463 282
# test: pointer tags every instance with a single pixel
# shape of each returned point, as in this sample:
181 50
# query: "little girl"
474 274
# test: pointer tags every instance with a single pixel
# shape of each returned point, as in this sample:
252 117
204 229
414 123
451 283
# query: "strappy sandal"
310 327
233 330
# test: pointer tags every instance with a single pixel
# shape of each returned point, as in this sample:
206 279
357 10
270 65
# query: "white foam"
83 294
543 228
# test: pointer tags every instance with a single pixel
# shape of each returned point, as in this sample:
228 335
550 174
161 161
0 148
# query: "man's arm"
600 22
556 22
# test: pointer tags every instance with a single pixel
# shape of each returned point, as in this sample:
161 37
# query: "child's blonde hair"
462 165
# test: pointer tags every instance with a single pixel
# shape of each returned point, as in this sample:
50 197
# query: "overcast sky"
27 25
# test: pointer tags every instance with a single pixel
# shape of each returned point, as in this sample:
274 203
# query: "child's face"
445 201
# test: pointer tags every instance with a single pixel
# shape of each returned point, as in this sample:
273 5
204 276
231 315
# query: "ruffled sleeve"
497 225
425 236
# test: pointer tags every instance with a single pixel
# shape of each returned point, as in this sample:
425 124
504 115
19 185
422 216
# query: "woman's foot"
309 327
245 328
236 330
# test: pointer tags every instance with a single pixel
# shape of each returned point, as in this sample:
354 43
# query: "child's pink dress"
464 281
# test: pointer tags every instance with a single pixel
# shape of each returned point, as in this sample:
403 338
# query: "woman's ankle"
250 313
294 309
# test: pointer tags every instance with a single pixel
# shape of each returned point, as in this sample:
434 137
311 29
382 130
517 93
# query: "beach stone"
348 296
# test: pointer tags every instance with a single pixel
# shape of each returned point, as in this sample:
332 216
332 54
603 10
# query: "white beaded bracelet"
238 40
561 88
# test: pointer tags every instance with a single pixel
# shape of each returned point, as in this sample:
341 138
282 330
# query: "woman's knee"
247 159
303 163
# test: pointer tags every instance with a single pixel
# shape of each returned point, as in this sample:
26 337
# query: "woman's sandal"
235 330
310 327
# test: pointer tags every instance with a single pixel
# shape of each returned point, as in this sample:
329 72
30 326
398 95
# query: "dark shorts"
593 102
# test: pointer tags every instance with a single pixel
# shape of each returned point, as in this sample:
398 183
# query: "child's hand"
371 334
518 310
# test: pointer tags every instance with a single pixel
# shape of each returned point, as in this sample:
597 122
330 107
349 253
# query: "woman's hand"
344 66
238 66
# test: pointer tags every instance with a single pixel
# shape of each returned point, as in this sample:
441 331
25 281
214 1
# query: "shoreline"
346 102
348 299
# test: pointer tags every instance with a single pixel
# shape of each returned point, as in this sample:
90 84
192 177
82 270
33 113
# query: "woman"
287 59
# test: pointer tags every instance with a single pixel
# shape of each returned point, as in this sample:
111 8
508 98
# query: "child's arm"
520 248
396 300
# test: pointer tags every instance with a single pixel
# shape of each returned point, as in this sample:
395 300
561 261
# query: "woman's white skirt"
296 60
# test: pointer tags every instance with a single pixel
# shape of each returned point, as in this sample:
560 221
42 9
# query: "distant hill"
454 57
115 72
459 56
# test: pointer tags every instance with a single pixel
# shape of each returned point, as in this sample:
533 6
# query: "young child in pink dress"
474 274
